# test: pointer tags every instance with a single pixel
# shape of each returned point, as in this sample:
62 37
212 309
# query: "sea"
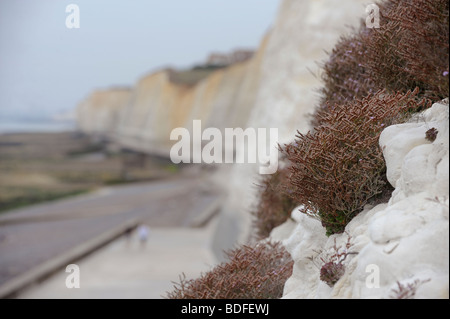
49 126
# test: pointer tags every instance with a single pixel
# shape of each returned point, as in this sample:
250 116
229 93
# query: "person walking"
143 232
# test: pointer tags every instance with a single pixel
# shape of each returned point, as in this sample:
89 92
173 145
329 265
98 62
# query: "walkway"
41 238
127 269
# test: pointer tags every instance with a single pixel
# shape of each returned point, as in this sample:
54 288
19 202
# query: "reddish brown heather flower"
345 75
252 272
339 168
274 207
409 50
331 272
431 134
411 47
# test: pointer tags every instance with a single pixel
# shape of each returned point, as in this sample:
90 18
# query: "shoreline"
23 127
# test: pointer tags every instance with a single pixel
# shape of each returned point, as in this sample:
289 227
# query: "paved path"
127 269
32 236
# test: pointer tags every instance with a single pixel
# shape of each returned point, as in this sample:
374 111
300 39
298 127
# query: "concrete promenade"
125 268
39 241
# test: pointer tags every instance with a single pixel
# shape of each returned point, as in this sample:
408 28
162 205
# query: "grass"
31 196
36 168
192 76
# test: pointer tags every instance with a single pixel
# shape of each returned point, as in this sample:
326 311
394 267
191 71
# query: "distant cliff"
100 113
143 117
277 87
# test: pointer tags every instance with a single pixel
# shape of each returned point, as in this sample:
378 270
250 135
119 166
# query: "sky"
47 68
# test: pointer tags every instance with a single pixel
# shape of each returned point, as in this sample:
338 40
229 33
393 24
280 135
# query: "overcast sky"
46 68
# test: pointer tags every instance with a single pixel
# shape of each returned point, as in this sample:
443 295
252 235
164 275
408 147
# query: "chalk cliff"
276 88
100 113
398 249
143 118
288 87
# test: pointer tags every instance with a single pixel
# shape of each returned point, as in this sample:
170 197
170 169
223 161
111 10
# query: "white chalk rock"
305 240
398 140
283 231
400 248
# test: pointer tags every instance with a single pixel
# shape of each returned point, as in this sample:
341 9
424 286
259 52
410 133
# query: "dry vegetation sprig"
407 291
252 272
339 168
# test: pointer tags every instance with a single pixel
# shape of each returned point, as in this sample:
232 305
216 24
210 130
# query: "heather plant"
331 272
409 50
252 272
274 207
339 168
332 266
344 75
431 134
411 47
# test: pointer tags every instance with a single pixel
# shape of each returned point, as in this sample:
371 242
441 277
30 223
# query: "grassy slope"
46 166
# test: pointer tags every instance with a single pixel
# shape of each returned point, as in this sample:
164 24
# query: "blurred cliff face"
277 87
143 117
274 88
